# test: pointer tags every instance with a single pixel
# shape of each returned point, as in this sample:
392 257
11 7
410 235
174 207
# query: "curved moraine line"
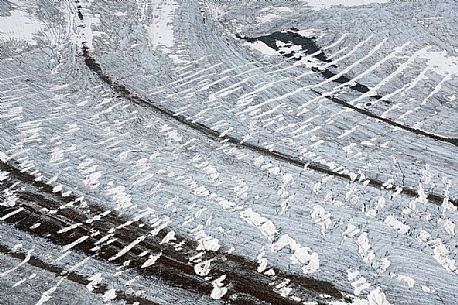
125 92
74 226
309 47
73 276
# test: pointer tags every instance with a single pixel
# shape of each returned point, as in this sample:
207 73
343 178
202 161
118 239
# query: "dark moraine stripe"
309 46
247 286
124 92
73 276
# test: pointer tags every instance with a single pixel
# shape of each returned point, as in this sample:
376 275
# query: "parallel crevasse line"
72 276
365 112
122 90
172 267
309 45
95 67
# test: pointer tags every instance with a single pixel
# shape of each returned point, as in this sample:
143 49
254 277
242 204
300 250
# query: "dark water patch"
360 88
79 9
308 47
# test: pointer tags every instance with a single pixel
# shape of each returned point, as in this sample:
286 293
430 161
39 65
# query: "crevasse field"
228 152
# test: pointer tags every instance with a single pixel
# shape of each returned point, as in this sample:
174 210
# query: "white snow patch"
218 289
21 26
168 238
267 17
95 280
311 32
262 47
441 255
384 264
283 288
449 226
151 260
206 243
160 32
440 62
262 261
109 295
377 297
202 268
120 196
3 156
302 255
241 190
364 248
397 225
360 285
320 217
266 226
428 289
407 279
351 231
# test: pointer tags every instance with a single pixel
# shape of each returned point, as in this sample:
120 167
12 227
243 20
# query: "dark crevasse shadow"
310 47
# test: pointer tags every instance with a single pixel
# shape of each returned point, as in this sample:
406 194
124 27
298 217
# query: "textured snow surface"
222 152
322 4
20 26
